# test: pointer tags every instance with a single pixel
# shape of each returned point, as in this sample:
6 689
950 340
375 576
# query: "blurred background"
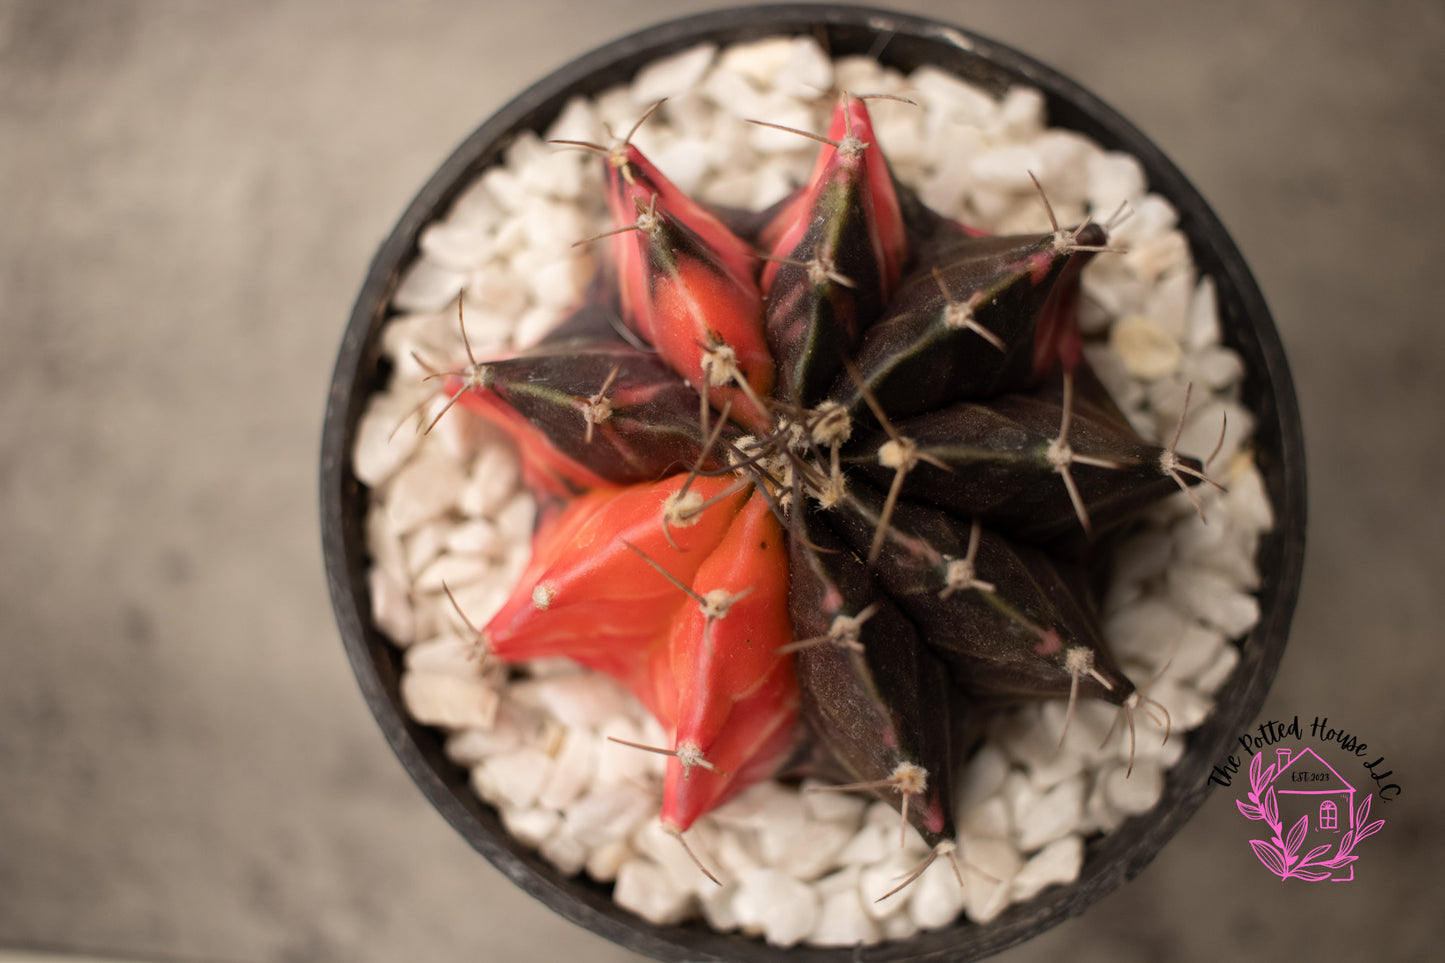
190 193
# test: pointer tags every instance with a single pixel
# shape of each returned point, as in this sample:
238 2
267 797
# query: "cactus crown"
840 461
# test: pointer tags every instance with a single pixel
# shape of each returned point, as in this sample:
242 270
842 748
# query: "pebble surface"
799 867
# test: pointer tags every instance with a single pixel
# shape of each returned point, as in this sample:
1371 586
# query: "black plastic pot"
911 42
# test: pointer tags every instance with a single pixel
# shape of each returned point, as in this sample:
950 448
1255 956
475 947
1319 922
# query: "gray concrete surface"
189 195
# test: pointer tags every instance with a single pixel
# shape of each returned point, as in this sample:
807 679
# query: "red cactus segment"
591 594
688 285
759 741
737 696
704 319
546 468
632 178
853 158
710 330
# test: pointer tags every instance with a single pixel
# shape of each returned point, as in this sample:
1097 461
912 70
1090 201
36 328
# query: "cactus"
823 485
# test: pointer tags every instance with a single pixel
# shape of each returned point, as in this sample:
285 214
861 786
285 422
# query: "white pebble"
1219 368
572 769
1147 350
938 894
785 112
1021 112
531 827
583 699
478 602
984 776
605 861
947 185
452 571
733 94
1005 168
1168 304
424 545
673 75
758 61
494 478
496 291
424 488
1187 709
1153 217
989 818
899 926
385 438
870 844
427 286
564 852
806 72
559 284
1213 598
1138 791
475 536
989 866
1219 671
787 821
607 813
1063 159
1053 815
1204 315
736 852
1248 501
577 121
1194 651
468 747
1145 630
517 518
391 608
866 74
535 324
1114 178
655 842
513 779
883 877
475 207
445 655
813 849
716 903
437 699
951 99
843 921
837 807
618 764
459 247
644 888
784 909
1058 862
687 161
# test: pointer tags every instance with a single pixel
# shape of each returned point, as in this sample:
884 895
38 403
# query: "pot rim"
1248 328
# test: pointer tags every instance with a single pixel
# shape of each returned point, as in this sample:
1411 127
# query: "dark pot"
912 42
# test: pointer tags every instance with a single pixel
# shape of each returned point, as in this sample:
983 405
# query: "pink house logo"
1302 791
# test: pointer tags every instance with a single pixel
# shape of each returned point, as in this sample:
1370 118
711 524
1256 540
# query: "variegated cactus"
822 484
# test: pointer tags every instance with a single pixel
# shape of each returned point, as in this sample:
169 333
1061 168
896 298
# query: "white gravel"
450 507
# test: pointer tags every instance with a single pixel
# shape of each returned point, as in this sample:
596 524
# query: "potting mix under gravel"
449 508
